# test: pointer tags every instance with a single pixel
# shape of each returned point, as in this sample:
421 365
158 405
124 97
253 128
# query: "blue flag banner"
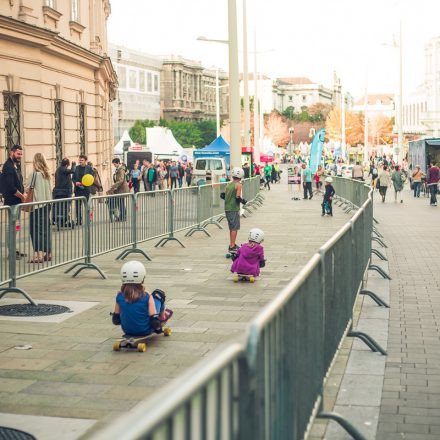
316 150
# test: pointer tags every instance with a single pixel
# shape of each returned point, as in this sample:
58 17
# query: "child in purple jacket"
250 256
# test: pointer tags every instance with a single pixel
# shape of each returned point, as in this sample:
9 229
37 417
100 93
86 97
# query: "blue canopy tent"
218 144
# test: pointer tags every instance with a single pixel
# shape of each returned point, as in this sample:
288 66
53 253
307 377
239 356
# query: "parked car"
208 170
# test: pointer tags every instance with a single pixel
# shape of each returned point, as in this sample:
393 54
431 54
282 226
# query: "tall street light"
399 46
234 85
247 128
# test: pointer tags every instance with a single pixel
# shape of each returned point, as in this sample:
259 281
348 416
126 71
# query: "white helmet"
328 179
238 173
256 235
133 272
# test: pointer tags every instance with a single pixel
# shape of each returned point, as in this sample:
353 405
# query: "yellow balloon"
87 180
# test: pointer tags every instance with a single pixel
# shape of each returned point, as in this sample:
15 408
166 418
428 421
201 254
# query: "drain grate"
31 310
14 434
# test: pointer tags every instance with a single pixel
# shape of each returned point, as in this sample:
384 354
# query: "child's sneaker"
233 249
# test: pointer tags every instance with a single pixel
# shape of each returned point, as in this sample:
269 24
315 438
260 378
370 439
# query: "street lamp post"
400 128
247 141
256 117
291 131
234 87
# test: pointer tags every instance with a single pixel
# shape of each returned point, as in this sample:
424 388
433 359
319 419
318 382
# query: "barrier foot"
379 254
195 229
378 234
380 241
367 340
213 222
345 424
379 301
127 252
5 290
380 270
83 266
375 221
163 241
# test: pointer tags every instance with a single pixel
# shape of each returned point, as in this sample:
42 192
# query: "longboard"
136 342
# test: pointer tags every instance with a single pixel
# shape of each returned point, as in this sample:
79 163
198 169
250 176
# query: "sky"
296 37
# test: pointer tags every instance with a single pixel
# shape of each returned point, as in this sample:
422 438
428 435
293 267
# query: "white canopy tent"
119 147
162 143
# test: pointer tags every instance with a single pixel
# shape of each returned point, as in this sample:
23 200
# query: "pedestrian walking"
39 224
357 172
63 190
267 171
246 170
80 190
417 177
180 174
398 179
188 174
12 186
174 174
135 176
151 177
162 180
433 178
384 181
273 174
96 186
120 186
307 181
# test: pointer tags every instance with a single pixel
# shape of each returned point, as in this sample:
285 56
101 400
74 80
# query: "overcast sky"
304 38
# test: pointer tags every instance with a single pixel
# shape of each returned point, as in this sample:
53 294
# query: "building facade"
378 105
138 95
188 90
300 92
415 107
431 116
56 81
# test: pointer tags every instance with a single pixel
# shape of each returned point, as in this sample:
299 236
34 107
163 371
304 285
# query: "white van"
209 170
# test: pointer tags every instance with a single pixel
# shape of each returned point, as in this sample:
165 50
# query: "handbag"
29 196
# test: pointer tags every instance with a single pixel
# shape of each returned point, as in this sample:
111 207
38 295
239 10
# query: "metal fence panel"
5 226
204 204
152 214
48 235
111 222
286 341
185 201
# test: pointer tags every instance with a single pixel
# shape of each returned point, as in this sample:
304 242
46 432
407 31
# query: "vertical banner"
316 150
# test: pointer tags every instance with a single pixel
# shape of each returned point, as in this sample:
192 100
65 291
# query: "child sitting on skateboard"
138 312
250 256
328 197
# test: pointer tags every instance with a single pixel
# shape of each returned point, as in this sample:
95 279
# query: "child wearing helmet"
328 197
138 312
250 256
232 198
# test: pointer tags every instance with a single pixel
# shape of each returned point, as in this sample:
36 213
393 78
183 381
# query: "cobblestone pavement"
71 370
410 406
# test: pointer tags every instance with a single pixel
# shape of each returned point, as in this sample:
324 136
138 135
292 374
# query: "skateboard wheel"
142 347
251 279
235 278
167 331
116 346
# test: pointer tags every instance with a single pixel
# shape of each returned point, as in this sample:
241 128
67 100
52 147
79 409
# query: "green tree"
138 133
208 131
186 133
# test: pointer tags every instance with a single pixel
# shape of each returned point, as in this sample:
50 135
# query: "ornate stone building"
56 80
188 90
138 95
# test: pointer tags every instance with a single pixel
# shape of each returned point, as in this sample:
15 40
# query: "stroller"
61 211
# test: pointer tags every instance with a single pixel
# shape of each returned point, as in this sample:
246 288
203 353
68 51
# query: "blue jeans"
417 186
433 192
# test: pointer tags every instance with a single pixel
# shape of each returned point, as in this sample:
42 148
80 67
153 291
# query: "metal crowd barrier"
43 235
271 386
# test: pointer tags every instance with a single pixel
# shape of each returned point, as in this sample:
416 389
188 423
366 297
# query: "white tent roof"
119 147
161 142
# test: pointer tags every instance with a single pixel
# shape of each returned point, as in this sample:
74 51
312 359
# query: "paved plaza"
71 370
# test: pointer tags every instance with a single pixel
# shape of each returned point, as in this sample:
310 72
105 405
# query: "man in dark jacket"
63 190
80 190
180 175
13 189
